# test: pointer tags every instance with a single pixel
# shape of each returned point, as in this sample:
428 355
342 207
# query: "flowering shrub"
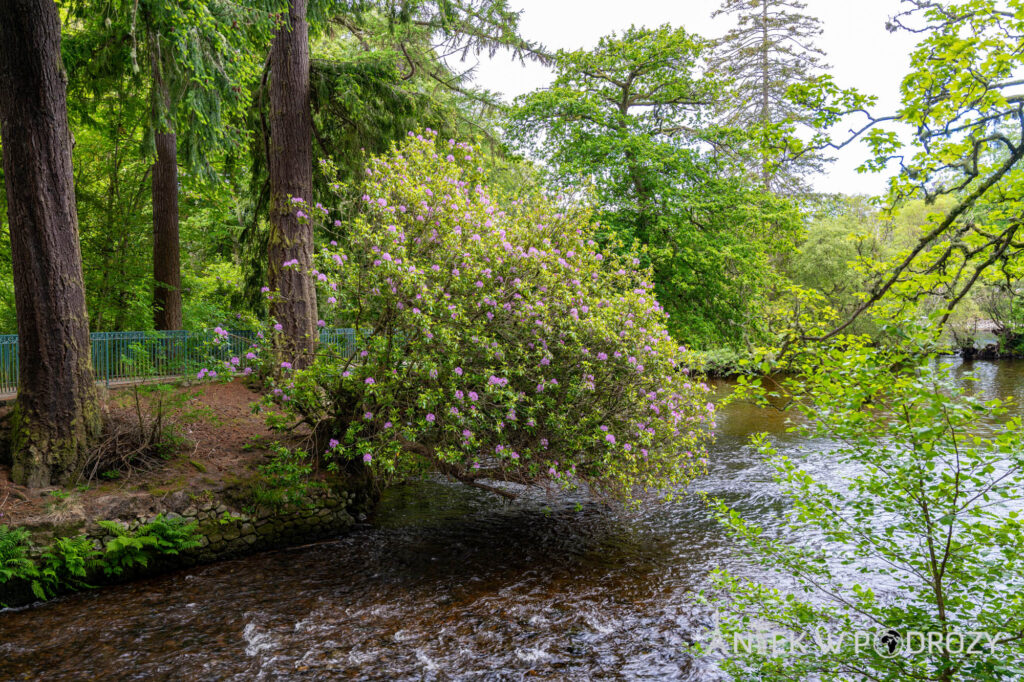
496 341
226 356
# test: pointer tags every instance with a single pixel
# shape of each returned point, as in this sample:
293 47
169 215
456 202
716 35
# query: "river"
445 582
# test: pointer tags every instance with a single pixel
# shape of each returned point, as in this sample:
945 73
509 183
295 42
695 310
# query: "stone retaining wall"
227 528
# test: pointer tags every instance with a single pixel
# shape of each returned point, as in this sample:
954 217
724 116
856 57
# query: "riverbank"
207 496
728 363
448 582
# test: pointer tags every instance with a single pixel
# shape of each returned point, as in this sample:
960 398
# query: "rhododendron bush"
495 340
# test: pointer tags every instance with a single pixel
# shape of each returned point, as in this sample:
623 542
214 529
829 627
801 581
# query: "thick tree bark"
56 415
166 249
291 176
166 256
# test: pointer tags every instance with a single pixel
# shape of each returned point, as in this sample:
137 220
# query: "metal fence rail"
119 357
8 363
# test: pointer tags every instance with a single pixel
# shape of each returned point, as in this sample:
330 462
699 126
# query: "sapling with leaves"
920 541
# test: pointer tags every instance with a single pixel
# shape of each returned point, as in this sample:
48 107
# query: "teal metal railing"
8 363
126 356
347 340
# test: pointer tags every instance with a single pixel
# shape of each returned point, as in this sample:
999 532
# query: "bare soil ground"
217 440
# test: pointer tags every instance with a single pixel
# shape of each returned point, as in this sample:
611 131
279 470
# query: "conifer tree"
290 161
56 415
200 59
456 28
770 49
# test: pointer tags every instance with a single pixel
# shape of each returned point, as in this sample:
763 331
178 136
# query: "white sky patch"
861 52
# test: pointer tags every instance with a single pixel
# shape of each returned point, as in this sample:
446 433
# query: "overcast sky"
862 53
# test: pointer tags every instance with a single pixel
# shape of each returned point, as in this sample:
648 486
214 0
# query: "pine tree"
290 162
770 49
201 58
57 414
456 27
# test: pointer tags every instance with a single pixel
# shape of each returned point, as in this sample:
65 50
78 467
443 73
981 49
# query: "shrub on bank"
496 340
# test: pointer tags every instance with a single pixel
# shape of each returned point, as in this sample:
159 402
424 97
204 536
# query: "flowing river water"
445 582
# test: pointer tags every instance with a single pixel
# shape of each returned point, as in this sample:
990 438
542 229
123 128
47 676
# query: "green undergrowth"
67 564
724 362
287 478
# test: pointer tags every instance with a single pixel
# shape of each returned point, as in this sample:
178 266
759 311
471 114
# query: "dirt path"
221 441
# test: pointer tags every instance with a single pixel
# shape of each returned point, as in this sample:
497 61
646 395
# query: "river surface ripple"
446 582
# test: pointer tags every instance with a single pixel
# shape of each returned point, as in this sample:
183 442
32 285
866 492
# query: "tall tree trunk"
166 257
765 91
291 175
56 415
166 249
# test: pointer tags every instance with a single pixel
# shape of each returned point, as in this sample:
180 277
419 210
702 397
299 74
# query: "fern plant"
129 549
171 536
15 563
66 564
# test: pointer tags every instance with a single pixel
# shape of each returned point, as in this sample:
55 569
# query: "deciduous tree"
962 115
633 117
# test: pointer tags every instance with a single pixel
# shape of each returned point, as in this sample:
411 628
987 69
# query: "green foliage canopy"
919 525
633 118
